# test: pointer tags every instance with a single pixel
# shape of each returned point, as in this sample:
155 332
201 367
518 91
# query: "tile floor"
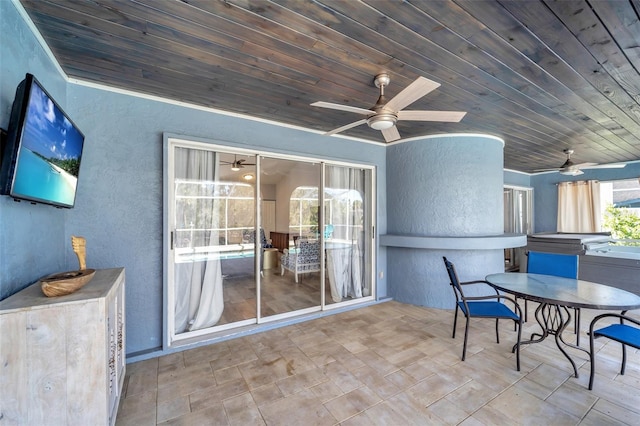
388 364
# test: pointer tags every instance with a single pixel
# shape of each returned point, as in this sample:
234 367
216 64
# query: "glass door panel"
347 233
213 256
249 241
517 219
292 263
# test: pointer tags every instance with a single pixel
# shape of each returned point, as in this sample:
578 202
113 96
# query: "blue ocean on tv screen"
49 158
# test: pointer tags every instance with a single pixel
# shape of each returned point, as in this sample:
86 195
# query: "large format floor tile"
388 364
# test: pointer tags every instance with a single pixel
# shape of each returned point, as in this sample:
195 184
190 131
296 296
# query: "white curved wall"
445 186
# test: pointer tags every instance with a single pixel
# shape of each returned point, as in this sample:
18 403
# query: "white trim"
230 147
171 340
155 98
517 171
448 135
34 30
521 188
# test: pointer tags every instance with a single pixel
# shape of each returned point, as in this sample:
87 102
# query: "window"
620 204
303 211
197 200
343 210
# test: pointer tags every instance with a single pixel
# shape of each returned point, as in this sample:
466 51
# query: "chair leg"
518 344
592 358
624 358
497 334
466 333
576 324
525 313
455 321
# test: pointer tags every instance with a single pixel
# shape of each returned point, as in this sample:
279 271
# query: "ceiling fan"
385 113
236 164
569 168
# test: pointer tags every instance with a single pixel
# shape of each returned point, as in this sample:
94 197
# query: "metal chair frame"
567 267
625 334
489 306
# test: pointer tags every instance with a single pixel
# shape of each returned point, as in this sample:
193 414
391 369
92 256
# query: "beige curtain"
579 207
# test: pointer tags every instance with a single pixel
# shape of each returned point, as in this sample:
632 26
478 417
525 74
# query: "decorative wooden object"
67 282
63 358
79 245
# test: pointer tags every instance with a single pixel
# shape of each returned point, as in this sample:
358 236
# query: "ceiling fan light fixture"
235 167
382 121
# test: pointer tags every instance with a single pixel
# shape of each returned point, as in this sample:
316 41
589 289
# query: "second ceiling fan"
569 168
385 113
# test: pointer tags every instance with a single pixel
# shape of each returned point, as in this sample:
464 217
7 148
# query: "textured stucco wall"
33 242
120 201
442 186
517 178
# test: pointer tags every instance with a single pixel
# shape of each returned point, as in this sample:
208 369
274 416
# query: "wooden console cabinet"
62 359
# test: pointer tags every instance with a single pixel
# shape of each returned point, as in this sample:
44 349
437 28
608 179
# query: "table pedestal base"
552 322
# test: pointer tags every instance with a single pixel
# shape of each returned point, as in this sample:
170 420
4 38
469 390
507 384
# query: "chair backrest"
453 277
560 265
309 251
249 236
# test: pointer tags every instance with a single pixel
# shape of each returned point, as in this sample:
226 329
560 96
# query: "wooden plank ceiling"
542 75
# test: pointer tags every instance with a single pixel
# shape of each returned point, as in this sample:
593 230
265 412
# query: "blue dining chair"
489 306
626 334
559 265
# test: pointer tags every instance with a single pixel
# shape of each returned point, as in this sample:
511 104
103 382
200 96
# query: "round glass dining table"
555 295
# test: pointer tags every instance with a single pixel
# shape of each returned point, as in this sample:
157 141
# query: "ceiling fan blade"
391 134
547 170
346 127
602 166
583 165
340 107
420 87
444 116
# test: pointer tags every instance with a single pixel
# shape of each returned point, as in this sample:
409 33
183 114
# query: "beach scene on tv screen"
49 158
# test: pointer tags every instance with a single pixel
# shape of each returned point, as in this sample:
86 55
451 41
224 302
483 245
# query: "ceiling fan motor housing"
382 120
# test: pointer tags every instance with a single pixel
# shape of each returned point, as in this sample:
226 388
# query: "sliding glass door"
347 232
248 241
294 284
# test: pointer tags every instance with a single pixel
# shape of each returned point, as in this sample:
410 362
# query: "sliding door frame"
170 338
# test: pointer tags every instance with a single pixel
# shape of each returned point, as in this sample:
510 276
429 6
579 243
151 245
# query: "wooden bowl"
65 282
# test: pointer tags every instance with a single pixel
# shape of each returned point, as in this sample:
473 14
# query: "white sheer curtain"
198 277
579 207
345 255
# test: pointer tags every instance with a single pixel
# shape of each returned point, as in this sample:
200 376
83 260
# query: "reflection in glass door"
249 242
347 233
294 284
212 259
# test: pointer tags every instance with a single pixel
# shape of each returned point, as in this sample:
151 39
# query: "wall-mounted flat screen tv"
41 161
